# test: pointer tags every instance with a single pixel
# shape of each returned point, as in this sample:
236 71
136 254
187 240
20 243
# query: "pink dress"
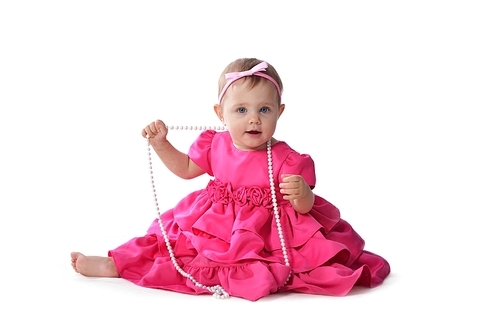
226 233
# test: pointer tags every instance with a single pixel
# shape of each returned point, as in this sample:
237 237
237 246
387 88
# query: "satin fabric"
226 234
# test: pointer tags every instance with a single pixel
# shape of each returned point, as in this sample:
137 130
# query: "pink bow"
257 68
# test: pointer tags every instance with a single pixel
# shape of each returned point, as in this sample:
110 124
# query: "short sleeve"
200 151
300 164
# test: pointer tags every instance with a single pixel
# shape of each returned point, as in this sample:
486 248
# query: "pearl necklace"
217 290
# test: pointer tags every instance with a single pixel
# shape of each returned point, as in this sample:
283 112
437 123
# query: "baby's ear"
218 111
282 108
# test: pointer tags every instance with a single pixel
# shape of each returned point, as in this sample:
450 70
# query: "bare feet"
93 266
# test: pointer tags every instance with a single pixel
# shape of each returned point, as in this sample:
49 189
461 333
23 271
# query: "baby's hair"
245 64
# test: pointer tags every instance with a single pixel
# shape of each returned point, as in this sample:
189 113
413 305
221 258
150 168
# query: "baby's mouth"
253 132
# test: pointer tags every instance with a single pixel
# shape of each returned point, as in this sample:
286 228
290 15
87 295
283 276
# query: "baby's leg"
93 266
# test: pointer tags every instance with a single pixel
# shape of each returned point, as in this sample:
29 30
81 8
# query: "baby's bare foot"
74 258
93 266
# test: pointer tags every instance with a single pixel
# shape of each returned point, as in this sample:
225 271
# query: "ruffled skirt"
220 240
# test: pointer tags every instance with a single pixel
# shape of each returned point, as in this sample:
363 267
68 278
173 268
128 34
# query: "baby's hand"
156 131
293 187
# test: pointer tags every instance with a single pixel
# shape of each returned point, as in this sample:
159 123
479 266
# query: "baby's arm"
176 161
298 192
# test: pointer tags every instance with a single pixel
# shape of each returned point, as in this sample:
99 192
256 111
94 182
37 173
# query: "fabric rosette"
223 193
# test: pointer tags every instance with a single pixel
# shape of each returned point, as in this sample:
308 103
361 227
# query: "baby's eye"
241 110
264 110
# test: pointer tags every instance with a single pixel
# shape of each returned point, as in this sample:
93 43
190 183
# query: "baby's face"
251 113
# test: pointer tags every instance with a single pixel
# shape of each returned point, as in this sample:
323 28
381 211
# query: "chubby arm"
176 161
295 189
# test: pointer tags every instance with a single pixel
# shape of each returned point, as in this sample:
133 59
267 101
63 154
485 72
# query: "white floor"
397 104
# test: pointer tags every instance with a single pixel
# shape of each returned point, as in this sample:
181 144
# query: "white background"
396 101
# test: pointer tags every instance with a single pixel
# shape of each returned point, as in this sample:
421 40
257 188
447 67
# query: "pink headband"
256 70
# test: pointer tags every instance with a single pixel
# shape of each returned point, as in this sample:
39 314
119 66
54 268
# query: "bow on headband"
256 70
